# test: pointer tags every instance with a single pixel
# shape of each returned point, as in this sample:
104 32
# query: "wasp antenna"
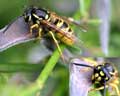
83 65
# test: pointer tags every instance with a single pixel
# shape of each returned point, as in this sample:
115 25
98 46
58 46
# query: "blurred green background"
32 52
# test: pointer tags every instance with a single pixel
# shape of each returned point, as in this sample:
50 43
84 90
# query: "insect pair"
44 23
104 75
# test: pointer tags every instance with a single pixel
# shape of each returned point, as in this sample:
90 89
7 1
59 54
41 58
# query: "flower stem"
39 84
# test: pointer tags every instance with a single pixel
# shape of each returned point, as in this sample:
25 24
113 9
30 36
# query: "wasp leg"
56 42
32 27
116 88
39 30
100 88
39 33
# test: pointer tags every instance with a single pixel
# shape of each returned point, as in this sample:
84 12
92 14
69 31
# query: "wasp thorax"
41 14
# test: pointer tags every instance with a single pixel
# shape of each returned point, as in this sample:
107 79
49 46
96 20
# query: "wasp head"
34 14
28 15
109 68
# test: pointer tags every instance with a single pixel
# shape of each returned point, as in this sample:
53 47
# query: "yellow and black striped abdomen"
62 31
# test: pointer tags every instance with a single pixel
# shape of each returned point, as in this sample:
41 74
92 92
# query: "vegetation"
26 69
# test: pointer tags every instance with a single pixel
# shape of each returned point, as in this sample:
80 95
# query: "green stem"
39 84
82 8
49 67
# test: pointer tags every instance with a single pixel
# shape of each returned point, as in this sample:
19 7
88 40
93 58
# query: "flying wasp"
44 23
104 75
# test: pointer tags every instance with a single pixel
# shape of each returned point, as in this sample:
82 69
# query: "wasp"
44 23
104 75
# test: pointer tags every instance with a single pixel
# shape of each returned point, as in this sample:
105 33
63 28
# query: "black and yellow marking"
38 17
61 32
96 75
104 75
47 22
